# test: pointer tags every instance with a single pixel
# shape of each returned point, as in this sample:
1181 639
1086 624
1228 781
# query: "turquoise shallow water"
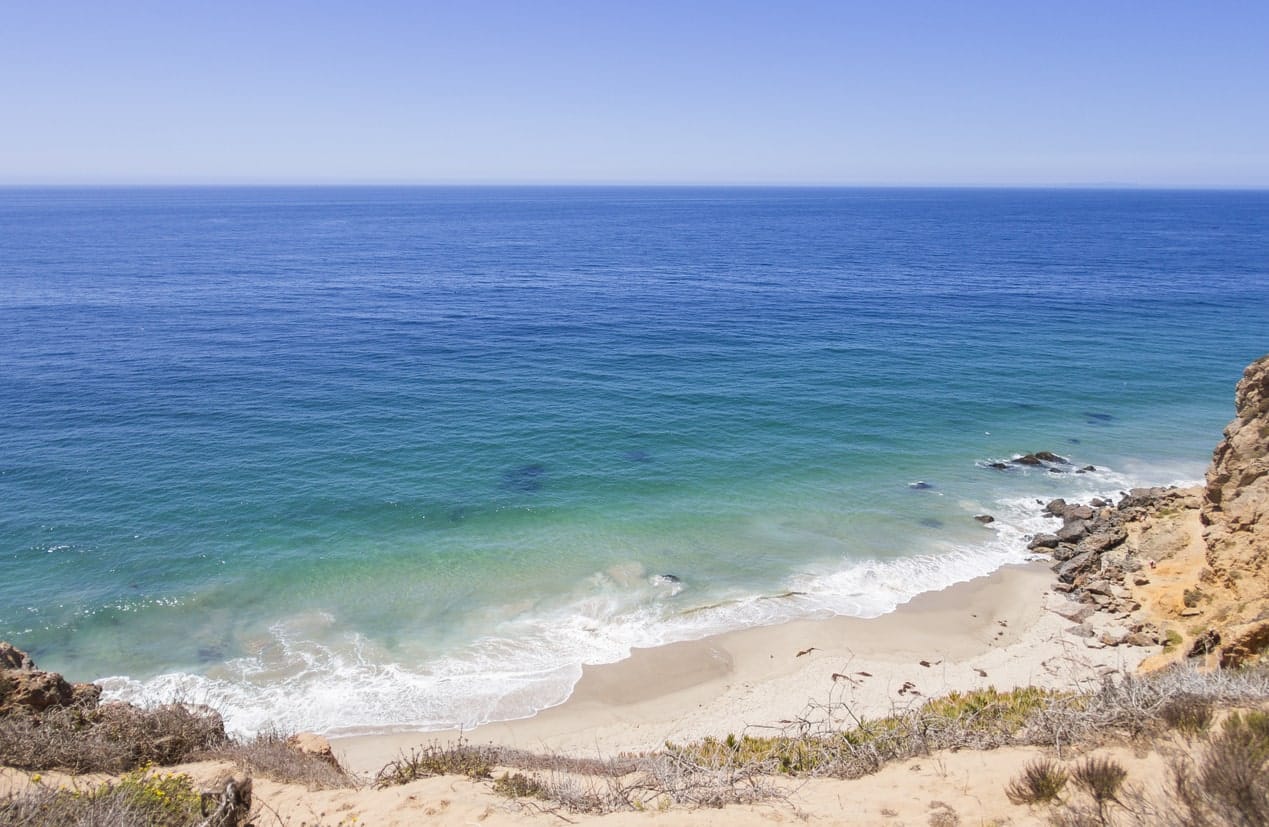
350 459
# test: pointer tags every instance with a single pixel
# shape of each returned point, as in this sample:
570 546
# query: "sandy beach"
1004 630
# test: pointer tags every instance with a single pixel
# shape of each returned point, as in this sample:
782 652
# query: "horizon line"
622 184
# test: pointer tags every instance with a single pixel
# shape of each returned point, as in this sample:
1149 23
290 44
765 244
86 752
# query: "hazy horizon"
658 94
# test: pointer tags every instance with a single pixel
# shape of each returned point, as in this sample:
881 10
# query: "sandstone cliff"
1235 516
27 690
1186 568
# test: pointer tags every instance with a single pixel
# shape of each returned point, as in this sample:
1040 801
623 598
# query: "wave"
309 676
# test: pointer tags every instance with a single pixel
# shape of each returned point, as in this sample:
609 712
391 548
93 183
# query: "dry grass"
268 754
748 767
1041 781
1190 714
1228 784
816 746
111 738
458 758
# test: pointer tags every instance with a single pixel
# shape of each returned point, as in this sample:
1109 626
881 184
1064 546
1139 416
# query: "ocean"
370 459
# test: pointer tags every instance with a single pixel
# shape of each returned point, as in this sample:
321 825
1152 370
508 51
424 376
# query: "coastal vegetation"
1213 727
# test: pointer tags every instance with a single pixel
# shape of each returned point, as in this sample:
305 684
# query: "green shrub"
1188 713
1101 778
519 785
1041 781
139 797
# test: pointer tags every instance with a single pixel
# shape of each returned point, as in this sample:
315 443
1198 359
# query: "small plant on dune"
1230 784
519 785
458 758
1101 779
270 754
776 754
1188 713
1006 711
1041 781
169 798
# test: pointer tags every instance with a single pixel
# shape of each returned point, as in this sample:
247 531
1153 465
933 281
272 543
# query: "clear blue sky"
602 91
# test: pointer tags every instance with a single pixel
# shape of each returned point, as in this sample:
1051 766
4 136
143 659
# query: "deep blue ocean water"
351 459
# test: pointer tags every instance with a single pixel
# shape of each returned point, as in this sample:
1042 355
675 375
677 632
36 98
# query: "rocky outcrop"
25 689
1101 552
1236 497
1235 515
315 746
1186 567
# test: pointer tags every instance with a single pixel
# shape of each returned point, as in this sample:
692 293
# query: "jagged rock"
984 518
1099 541
1113 636
1244 643
1075 612
1049 456
1100 587
1027 459
1068 570
1104 553
1073 531
999 466
26 689
312 744
1205 643
1077 512
1043 541
1141 639
11 657
1126 559
1064 551
1141 497
1235 505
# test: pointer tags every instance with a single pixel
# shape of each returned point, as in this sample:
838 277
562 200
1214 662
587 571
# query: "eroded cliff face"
1235 517
1186 568
1236 498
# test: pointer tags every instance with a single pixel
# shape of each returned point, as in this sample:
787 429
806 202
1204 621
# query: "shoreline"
1002 630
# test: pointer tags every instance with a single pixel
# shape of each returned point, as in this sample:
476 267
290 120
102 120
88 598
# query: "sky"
640 92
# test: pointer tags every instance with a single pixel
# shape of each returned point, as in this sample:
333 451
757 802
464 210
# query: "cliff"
1186 568
1234 587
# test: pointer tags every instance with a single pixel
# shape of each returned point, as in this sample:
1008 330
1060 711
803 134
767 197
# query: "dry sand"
994 631
1003 630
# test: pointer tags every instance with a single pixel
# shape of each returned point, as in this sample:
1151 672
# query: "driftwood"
227 802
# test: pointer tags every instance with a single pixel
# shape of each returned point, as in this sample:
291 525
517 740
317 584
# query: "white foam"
533 660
